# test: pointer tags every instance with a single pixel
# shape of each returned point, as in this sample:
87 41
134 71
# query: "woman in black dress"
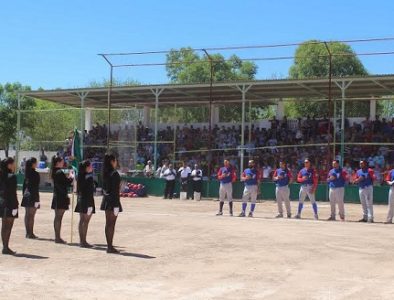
60 201
31 196
8 201
85 204
111 200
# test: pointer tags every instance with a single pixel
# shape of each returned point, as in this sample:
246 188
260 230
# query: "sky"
54 44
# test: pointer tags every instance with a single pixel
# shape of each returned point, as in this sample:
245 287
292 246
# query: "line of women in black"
60 201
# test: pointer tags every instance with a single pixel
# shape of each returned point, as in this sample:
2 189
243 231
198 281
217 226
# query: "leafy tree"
187 66
312 61
8 112
51 123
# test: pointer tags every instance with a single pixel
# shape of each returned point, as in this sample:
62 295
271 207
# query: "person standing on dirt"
226 176
169 175
365 178
31 196
8 201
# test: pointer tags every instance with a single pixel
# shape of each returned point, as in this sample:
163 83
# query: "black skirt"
83 205
106 204
29 200
7 213
63 203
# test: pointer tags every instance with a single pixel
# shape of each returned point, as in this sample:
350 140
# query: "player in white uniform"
226 176
251 178
282 178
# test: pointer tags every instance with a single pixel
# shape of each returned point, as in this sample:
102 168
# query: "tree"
187 66
312 61
8 112
51 123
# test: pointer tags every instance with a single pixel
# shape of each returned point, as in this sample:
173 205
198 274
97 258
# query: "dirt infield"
180 250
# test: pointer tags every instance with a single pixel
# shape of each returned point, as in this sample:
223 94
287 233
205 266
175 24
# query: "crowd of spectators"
292 141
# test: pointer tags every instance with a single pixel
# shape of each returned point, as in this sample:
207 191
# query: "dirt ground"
174 249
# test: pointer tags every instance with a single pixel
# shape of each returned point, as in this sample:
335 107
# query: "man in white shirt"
148 170
160 170
169 175
197 182
266 172
184 174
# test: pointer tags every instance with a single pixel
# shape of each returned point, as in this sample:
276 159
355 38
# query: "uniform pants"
390 215
305 191
197 186
283 195
226 190
250 193
366 199
169 190
336 196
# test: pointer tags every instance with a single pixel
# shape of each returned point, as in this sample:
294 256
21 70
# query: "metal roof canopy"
261 91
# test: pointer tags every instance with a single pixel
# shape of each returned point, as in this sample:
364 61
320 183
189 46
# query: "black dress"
30 189
85 194
111 189
61 184
9 199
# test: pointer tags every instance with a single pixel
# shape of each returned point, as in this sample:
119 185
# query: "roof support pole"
372 109
343 85
109 105
250 122
329 102
243 89
109 97
18 131
156 92
334 121
82 96
211 68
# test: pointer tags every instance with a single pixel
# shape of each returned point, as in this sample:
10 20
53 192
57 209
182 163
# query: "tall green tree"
187 66
8 112
312 61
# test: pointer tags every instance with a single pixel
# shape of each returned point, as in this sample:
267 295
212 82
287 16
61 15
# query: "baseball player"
308 179
336 181
364 178
226 176
251 179
282 177
197 182
390 182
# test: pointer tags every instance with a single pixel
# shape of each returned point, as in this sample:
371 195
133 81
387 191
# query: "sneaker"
289 216
278 216
342 219
297 216
331 219
316 217
220 213
231 214
363 220
242 214
370 221
250 215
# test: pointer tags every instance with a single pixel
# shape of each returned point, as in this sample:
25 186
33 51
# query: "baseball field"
172 249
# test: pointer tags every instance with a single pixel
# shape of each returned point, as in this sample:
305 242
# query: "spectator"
148 170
